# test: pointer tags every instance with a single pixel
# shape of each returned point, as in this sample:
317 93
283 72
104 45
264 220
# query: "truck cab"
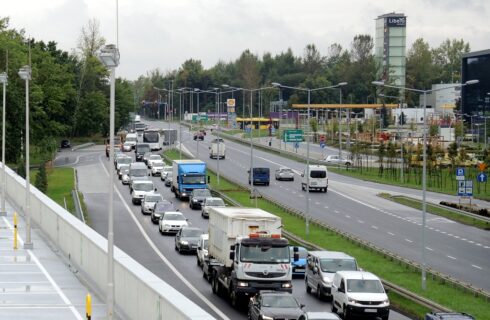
187 176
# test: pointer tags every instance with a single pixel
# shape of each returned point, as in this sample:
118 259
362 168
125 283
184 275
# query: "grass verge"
449 214
401 275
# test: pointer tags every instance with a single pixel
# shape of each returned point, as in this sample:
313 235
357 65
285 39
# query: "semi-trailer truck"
246 253
187 176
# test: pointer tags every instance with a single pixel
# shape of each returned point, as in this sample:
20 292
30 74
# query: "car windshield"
264 254
125 161
164 206
131 139
155 157
201 193
167 168
194 179
301 252
279 301
153 198
191 232
286 171
215 203
124 170
174 216
318 174
261 170
361 285
142 148
334 265
158 164
143 186
139 172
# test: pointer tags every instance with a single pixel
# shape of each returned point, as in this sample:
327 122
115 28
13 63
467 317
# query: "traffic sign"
460 174
296 145
465 188
295 135
482 177
322 144
230 102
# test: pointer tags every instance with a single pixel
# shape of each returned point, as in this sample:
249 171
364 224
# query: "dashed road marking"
391 233
360 221
430 249
374 227
408 240
451 257
478 267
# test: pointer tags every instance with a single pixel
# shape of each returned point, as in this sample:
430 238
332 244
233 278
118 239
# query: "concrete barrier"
139 294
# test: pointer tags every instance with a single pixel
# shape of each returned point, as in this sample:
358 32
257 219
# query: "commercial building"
474 98
442 98
390 48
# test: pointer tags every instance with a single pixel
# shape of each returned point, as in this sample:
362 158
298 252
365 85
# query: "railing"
139 294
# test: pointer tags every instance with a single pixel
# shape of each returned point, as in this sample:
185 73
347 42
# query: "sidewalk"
38 283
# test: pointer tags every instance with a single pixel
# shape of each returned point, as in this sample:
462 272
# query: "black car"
274 305
187 238
65 144
197 197
159 208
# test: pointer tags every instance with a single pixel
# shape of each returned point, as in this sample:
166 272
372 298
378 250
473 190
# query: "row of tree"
355 65
68 94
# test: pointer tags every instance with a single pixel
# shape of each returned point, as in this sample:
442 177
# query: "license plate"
370 310
299 269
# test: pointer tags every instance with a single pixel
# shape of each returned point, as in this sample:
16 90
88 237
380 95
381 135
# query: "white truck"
246 253
217 149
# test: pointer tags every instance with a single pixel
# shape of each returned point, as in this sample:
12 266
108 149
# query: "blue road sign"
482 177
322 144
460 174
465 188
296 145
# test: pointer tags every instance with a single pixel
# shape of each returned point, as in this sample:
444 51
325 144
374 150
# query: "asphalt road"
352 206
139 237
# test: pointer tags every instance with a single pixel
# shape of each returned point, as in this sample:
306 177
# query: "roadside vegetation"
372 261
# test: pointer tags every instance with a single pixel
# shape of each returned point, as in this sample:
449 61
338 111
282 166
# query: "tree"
447 59
314 128
452 153
420 69
312 60
41 181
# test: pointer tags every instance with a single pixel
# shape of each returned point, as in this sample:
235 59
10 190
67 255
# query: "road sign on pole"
482 177
465 188
460 174
295 135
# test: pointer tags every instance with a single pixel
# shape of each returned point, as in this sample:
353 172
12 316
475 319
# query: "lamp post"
307 171
340 120
25 74
399 131
424 167
3 80
109 56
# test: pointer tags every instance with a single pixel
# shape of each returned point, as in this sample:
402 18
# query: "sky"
164 33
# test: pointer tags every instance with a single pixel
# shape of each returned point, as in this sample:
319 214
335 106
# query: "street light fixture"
307 172
424 168
25 74
3 80
109 56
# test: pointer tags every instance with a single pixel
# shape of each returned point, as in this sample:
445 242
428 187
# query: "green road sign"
196 118
292 135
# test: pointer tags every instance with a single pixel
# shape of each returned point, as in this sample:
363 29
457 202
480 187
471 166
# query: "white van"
318 178
132 138
321 267
359 293
217 149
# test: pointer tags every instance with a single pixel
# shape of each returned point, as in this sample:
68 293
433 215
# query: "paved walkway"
38 283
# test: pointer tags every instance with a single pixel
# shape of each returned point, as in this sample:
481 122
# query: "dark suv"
197 197
160 208
448 316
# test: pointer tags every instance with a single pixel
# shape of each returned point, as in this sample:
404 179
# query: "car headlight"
327 281
352 300
183 242
167 225
267 318
287 285
387 301
242 284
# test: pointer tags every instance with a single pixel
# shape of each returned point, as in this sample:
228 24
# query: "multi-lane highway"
139 237
352 205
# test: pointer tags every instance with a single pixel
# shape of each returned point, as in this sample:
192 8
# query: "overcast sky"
164 33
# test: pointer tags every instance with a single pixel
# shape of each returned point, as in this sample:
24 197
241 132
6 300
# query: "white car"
140 188
125 176
123 169
157 168
149 201
165 172
172 221
202 249
127 146
123 160
284 174
335 159
211 202
153 158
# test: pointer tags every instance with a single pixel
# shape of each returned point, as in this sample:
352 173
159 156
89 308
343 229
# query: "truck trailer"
246 253
188 175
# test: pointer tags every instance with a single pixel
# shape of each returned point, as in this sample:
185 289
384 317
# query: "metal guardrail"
76 200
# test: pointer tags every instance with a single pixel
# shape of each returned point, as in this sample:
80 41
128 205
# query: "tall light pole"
340 121
424 167
399 131
307 172
25 74
3 80
109 56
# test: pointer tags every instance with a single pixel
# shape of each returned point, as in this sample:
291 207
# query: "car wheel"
345 313
334 308
198 262
302 187
319 294
308 288
160 229
384 317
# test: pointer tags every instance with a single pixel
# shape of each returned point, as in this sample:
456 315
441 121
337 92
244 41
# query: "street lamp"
399 131
307 172
109 56
25 74
340 85
424 168
3 80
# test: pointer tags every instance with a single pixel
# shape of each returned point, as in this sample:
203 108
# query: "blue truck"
187 176
259 176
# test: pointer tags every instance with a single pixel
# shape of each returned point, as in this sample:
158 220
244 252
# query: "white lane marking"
47 275
475 266
336 211
374 227
326 207
451 257
408 240
430 249
360 221
391 234
486 247
162 257
317 203
347 216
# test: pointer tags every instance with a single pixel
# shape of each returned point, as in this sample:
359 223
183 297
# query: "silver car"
211 202
149 201
284 174
165 172
335 159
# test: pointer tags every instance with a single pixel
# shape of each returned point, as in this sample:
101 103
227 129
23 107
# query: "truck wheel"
215 284
308 288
